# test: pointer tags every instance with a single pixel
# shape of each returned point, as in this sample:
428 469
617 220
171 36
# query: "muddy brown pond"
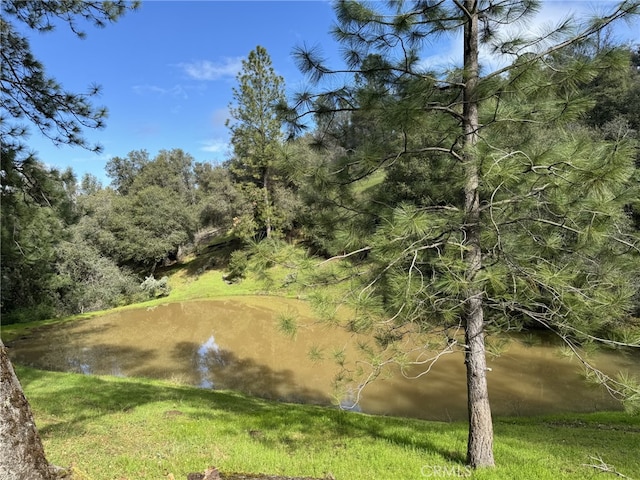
236 344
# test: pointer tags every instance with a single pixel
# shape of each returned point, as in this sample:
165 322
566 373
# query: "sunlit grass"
143 429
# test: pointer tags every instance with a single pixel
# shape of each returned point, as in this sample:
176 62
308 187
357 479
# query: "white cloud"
574 15
448 54
207 70
175 91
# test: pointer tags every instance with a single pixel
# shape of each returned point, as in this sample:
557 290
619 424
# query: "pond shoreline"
240 348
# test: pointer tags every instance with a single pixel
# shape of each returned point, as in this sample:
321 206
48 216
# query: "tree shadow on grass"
70 403
84 398
335 425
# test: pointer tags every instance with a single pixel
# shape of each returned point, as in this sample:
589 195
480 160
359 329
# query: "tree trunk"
480 443
267 206
21 452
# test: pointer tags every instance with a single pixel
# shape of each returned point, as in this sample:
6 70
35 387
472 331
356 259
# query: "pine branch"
626 8
603 467
345 255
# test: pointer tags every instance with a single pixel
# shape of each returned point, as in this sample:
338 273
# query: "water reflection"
76 366
235 344
209 351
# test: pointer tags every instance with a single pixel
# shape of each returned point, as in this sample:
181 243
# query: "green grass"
116 428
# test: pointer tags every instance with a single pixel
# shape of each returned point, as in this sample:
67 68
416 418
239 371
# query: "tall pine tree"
514 214
256 134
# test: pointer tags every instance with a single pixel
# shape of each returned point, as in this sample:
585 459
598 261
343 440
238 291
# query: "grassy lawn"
117 428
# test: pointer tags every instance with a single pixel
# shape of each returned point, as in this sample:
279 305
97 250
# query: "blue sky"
167 70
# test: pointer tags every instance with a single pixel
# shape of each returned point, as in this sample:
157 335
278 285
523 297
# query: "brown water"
235 344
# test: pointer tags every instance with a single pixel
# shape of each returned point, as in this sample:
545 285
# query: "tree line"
72 245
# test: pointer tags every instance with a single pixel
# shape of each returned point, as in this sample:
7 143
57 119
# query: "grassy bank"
116 428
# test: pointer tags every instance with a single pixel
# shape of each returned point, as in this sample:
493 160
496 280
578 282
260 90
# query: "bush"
29 314
87 281
238 263
155 288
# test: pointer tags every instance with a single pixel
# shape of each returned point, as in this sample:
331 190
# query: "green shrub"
155 288
238 263
29 314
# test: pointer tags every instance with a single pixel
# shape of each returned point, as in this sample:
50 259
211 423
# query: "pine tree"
514 214
28 93
256 133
